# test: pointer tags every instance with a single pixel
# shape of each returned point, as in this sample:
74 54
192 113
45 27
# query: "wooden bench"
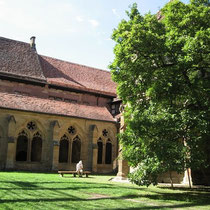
73 172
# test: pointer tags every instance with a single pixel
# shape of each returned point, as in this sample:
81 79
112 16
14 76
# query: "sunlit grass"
24 190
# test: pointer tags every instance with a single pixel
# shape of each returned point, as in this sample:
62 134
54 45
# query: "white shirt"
79 166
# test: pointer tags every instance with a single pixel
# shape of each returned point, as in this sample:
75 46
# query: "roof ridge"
82 65
58 59
22 42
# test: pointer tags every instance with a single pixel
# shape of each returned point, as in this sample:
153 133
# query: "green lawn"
23 190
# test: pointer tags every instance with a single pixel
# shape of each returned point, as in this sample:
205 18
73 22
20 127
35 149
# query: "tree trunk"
171 180
189 180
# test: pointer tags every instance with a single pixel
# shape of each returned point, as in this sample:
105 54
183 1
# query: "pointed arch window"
76 150
22 146
36 147
108 157
100 151
64 149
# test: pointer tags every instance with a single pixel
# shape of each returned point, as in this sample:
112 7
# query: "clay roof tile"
77 76
19 59
47 106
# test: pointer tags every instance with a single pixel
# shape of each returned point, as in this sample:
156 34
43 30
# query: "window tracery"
71 130
23 133
76 138
37 134
31 126
71 149
29 145
105 133
22 146
64 137
104 149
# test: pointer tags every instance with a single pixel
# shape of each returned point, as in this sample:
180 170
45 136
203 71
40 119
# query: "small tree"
162 68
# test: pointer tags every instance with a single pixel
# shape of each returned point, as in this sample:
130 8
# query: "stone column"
89 152
95 157
55 132
29 149
113 157
10 158
123 168
55 155
94 147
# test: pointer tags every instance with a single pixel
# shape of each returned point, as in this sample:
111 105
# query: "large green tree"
162 68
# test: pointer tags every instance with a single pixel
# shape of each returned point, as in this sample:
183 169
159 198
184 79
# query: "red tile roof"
43 105
19 60
77 76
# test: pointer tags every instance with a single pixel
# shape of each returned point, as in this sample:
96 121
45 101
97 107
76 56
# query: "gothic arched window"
76 150
64 149
108 158
100 151
36 147
22 146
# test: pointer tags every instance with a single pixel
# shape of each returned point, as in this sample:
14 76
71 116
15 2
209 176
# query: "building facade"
54 113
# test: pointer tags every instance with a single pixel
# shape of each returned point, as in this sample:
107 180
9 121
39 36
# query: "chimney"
32 42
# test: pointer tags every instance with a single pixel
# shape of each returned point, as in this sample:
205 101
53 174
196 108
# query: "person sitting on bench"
79 168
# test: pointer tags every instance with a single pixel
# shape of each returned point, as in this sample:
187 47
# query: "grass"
24 190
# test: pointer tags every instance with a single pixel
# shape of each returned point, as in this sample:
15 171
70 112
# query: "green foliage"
147 172
162 68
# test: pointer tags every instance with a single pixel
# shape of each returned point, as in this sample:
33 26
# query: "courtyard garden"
25 190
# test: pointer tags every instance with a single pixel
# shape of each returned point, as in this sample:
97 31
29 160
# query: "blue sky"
78 31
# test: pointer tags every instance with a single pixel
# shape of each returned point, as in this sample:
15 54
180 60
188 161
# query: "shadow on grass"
198 198
83 177
193 198
176 206
68 186
193 202
195 188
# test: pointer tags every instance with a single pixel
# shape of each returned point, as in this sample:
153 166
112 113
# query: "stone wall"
52 128
177 178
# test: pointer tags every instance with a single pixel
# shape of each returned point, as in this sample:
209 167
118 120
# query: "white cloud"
38 19
79 18
108 39
2 2
115 13
93 22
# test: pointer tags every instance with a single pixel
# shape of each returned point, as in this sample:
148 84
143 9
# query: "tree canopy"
162 69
